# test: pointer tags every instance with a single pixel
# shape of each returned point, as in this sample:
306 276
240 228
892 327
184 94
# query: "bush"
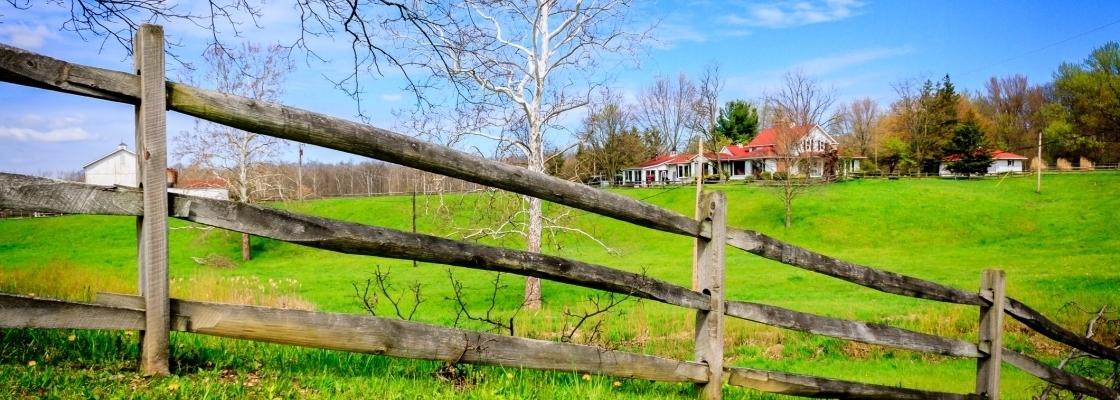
1086 165
867 167
800 176
780 175
1034 164
766 175
1063 165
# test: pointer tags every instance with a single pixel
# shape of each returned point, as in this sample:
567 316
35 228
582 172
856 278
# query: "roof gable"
126 151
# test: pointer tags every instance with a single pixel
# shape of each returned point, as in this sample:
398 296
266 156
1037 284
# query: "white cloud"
390 97
27 37
828 64
71 134
795 13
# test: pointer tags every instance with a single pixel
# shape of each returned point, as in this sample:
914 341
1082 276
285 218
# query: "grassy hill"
1057 247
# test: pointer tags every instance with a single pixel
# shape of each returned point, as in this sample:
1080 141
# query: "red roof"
769 136
996 155
683 158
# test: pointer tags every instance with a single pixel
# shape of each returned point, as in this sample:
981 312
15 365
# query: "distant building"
116 168
119 168
1002 162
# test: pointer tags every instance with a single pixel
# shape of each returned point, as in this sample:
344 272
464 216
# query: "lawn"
1056 247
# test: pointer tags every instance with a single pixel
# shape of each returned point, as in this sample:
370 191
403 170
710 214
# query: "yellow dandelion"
128 333
586 377
72 338
509 375
31 363
173 386
617 383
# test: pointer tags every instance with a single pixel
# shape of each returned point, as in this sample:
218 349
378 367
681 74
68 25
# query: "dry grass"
62 279
1063 165
65 280
1086 165
1035 164
283 293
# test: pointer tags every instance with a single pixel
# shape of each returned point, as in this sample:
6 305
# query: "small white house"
667 168
1002 162
116 168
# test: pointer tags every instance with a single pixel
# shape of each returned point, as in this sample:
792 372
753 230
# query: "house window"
1010 163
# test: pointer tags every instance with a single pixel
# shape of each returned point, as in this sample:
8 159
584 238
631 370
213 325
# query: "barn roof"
118 150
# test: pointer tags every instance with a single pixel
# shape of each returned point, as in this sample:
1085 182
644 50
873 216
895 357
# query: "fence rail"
335 331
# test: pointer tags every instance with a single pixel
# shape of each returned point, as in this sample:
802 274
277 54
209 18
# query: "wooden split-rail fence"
156 314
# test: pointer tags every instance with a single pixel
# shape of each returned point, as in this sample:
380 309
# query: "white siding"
118 168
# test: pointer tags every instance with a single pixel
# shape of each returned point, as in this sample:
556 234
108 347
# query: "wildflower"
128 333
31 363
72 337
173 386
586 377
617 383
509 375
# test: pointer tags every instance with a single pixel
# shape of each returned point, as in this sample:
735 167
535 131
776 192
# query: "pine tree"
967 147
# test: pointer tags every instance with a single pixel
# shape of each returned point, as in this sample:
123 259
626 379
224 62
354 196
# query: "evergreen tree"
737 121
967 147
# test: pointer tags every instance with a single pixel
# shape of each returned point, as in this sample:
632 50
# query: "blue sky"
858 47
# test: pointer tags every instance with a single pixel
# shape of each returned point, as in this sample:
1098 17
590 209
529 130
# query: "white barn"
116 168
119 168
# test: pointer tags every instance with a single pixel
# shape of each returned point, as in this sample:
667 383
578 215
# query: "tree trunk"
789 213
246 253
533 244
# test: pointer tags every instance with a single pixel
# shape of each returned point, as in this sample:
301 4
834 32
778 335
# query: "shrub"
766 175
1063 165
1086 165
1034 164
780 175
868 167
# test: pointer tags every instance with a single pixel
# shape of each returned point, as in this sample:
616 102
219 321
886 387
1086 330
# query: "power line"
1043 48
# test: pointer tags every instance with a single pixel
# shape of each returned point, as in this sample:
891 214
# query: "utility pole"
699 189
299 173
1038 187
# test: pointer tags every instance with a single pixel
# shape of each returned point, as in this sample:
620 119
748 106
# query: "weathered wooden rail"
156 314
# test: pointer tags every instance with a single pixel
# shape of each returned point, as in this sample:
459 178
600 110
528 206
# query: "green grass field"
1057 247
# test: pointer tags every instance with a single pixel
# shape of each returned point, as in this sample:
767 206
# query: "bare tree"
517 67
1013 106
801 100
706 108
235 155
798 106
858 122
668 106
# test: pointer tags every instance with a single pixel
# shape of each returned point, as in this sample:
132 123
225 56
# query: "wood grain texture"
351 238
862 332
397 338
812 386
990 334
710 260
151 158
18 311
1058 377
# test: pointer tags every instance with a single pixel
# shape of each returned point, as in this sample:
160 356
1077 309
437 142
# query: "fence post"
991 334
709 276
151 161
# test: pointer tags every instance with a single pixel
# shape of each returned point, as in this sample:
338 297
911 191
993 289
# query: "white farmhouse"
116 168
